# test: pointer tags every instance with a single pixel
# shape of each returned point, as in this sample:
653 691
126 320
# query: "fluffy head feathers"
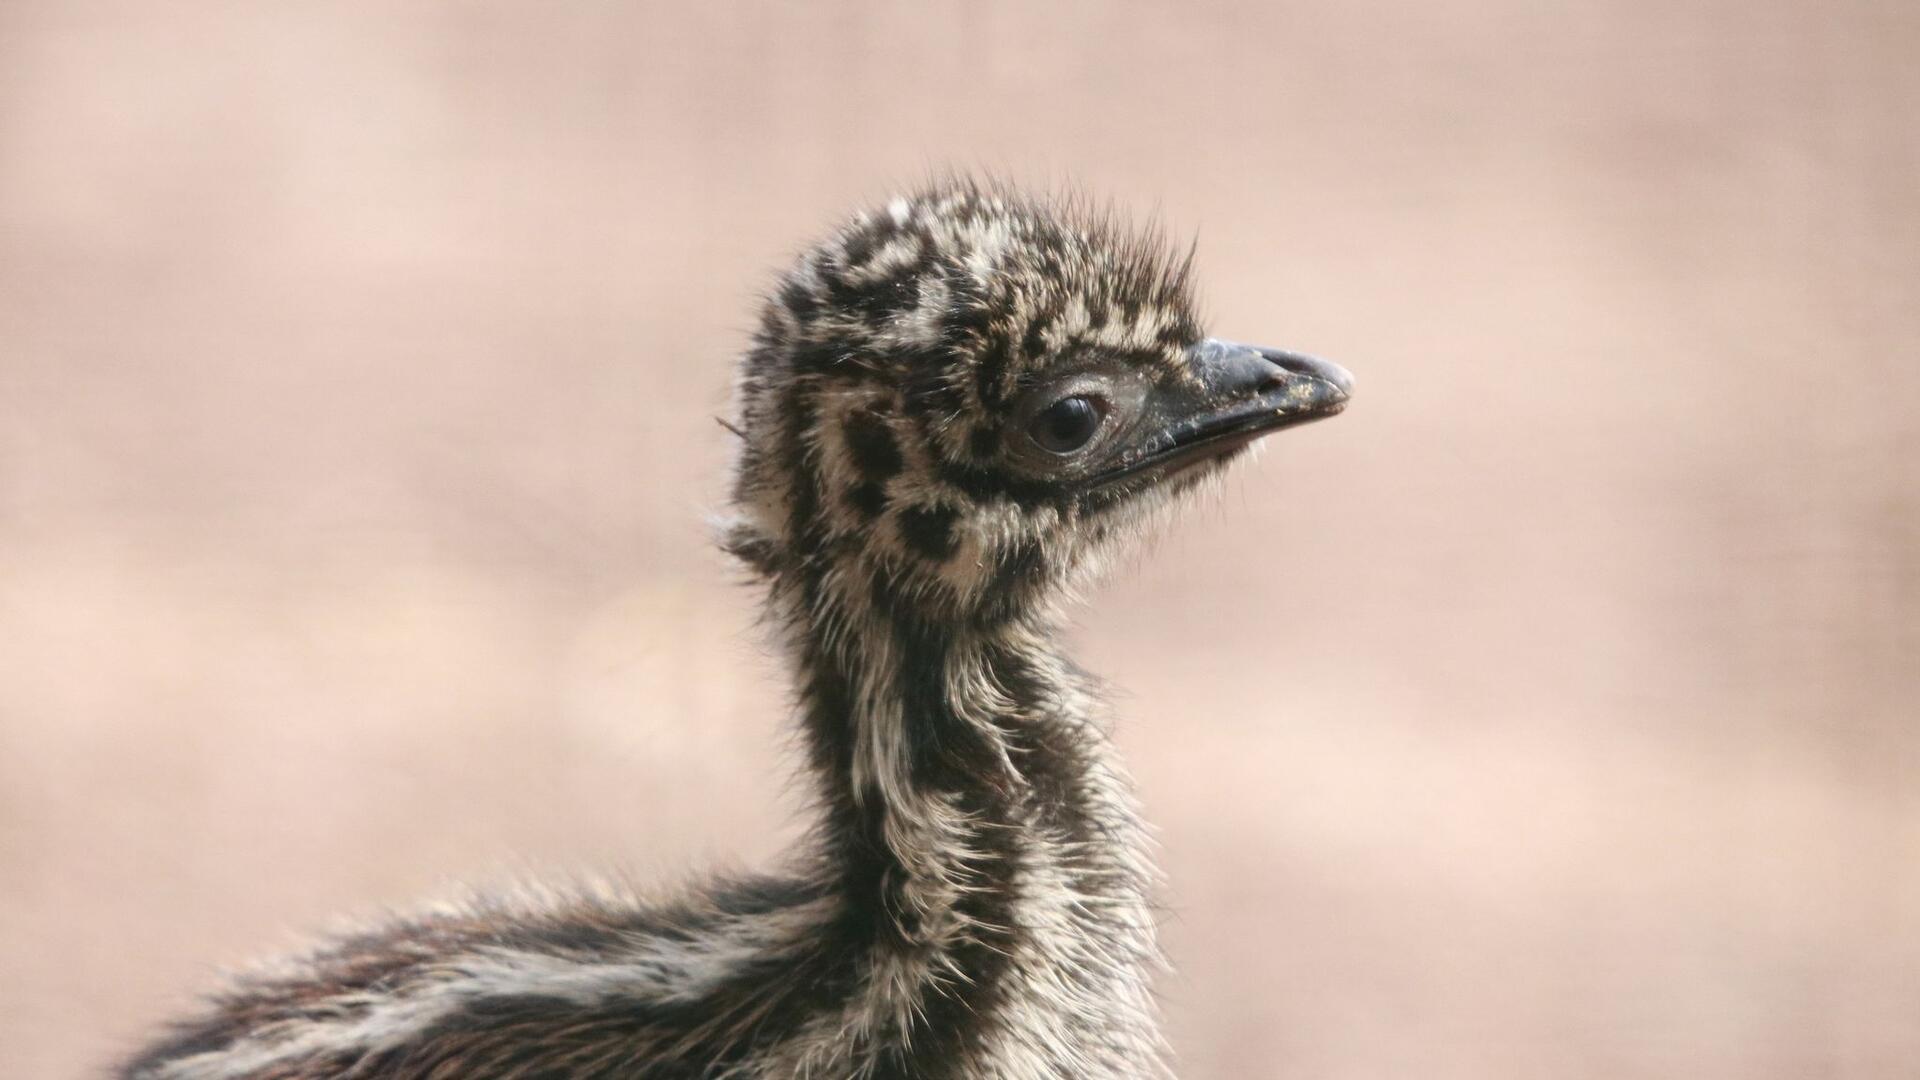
888 406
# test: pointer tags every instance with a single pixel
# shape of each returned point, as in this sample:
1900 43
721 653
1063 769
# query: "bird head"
962 399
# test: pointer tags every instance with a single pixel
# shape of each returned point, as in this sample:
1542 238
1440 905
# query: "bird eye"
1067 424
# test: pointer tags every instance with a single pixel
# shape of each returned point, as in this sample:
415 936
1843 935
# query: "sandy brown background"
1549 715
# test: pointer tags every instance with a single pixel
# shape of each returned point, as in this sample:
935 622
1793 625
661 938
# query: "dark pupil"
1066 425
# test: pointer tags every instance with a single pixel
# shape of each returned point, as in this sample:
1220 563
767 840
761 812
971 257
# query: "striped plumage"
974 900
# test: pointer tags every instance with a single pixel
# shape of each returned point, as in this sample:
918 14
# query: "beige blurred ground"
1549 715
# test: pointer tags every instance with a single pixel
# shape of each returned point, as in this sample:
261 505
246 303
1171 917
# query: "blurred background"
1550 714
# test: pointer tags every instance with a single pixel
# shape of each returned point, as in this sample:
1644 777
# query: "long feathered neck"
976 832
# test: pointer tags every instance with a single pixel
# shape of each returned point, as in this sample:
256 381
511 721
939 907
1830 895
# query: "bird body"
952 411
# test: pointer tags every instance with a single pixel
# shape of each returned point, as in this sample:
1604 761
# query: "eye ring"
1068 424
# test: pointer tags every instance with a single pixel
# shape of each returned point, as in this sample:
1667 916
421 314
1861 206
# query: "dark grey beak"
1287 382
1242 393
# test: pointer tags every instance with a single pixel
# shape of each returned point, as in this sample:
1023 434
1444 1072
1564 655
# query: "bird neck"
930 740
976 828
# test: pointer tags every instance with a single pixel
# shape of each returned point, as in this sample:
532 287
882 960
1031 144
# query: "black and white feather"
974 900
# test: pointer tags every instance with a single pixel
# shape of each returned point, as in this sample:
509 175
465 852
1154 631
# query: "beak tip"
1342 380
1335 377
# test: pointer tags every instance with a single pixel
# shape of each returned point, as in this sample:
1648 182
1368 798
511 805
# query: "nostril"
1311 367
1232 371
1290 363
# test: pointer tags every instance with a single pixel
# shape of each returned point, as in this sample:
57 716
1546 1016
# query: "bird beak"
1240 393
